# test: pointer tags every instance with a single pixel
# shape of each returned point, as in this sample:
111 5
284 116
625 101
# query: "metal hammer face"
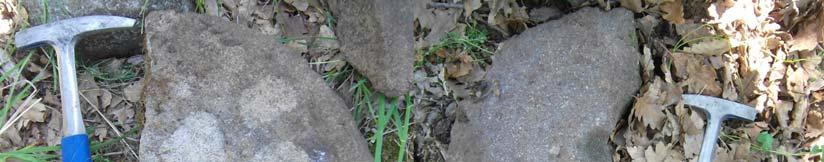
63 35
716 110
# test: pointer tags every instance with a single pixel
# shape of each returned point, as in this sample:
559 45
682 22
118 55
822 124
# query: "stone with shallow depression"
556 92
218 91
377 39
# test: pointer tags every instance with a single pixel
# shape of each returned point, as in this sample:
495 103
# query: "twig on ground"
17 116
444 5
116 131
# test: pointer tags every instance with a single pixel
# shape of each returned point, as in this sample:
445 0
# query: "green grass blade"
403 130
16 68
31 153
383 119
11 101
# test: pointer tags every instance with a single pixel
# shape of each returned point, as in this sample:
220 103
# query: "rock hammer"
716 110
62 36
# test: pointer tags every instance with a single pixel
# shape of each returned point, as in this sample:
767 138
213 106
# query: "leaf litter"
762 54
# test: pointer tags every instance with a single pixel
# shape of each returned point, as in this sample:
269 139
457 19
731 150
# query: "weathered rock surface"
103 45
558 89
218 91
377 39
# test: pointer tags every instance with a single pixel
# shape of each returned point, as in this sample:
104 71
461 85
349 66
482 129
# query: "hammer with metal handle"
62 36
717 110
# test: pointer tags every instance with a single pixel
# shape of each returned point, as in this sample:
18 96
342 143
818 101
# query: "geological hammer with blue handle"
62 36
716 110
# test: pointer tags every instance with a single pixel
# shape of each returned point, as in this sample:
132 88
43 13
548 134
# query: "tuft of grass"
765 141
125 73
52 57
337 75
474 41
200 6
383 120
32 153
403 127
384 117
49 153
362 99
330 20
45 17
14 96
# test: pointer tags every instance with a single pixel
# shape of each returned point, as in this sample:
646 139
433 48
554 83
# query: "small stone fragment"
377 39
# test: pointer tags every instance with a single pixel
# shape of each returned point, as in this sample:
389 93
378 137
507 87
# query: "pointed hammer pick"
716 110
62 36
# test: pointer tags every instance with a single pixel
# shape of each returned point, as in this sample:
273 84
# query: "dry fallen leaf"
722 154
782 112
815 124
53 133
123 114
101 132
693 126
662 152
742 151
13 135
326 38
471 5
796 83
301 5
710 47
647 24
495 7
37 113
647 65
692 32
729 13
674 11
88 88
636 153
701 77
672 128
679 64
7 22
632 5
133 91
458 65
105 98
646 107
810 34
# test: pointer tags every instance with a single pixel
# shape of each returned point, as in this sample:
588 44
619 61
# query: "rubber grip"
75 148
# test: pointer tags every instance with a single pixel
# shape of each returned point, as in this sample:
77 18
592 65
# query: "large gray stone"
103 45
377 39
218 91
557 91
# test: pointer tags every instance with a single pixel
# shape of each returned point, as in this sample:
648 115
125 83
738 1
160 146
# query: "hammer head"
67 32
720 108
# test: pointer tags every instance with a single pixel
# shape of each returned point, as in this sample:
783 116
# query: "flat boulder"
556 92
377 39
103 45
219 91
